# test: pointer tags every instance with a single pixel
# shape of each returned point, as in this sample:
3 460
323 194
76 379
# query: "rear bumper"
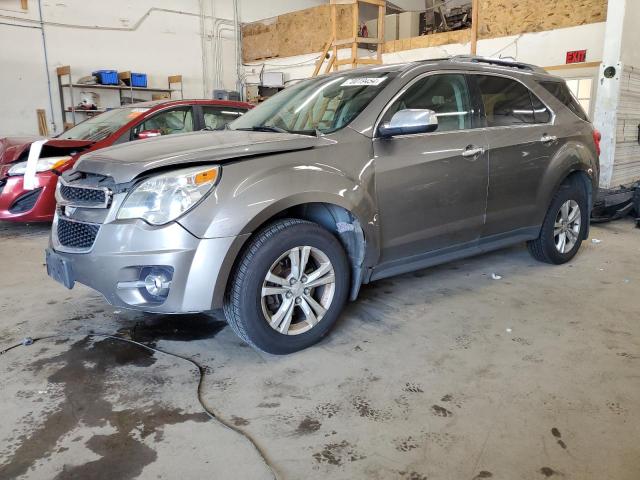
43 208
123 251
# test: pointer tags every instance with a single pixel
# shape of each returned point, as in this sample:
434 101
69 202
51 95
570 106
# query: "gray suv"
337 181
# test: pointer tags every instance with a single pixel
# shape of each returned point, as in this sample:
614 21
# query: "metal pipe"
46 66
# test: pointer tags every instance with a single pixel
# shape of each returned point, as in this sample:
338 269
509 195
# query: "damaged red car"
36 202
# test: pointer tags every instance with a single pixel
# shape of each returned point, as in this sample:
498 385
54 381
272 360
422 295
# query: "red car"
123 124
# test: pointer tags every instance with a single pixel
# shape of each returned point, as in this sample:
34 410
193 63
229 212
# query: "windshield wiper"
264 128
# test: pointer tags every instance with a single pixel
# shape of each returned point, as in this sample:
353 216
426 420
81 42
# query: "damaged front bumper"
154 269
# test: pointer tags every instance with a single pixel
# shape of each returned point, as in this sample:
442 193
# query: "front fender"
251 192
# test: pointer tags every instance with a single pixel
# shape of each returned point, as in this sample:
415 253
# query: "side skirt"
445 255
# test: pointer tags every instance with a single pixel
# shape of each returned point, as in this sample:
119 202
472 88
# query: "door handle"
548 138
472 151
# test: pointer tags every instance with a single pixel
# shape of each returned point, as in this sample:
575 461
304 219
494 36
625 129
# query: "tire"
249 313
545 247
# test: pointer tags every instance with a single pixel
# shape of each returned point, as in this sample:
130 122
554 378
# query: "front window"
168 122
447 95
322 105
101 126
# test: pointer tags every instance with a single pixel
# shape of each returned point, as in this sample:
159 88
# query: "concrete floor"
441 374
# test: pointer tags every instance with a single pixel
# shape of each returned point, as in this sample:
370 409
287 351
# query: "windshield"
101 126
322 105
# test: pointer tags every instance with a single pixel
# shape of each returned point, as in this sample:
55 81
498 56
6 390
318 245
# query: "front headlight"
43 165
163 198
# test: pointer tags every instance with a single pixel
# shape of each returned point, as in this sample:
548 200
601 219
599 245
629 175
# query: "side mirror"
149 134
410 121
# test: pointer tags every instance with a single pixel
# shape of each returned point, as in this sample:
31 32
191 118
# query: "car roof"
465 62
168 102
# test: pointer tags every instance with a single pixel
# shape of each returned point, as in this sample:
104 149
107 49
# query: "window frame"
194 117
552 118
563 81
202 125
473 103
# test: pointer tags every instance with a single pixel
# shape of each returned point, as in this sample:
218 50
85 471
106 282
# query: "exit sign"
577 56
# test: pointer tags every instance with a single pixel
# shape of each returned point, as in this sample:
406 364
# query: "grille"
3 182
25 202
86 195
76 235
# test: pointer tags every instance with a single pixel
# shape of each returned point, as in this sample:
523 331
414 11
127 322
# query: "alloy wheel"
566 229
298 290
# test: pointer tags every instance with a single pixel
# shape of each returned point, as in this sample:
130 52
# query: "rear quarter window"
561 91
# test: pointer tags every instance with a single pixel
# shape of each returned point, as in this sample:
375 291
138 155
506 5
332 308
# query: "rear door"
521 139
432 187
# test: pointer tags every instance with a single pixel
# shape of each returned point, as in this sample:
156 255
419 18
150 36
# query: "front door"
432 187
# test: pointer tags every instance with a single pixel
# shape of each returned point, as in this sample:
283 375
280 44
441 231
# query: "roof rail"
498 62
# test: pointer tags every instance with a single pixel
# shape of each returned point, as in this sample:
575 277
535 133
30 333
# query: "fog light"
157 281
157 285
152 286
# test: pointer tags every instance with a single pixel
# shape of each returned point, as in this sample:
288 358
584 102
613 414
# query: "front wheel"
288 288
564 225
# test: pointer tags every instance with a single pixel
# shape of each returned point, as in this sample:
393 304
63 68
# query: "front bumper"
13 190
123 250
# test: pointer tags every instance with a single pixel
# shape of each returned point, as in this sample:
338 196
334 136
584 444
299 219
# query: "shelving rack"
68 83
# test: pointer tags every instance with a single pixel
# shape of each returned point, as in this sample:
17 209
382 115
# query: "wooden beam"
358 61
321 60
382 10
332 60
334 32
356 30
43 129
349 41
475 7
573 66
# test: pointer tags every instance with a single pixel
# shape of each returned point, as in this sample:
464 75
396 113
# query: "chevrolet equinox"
334 182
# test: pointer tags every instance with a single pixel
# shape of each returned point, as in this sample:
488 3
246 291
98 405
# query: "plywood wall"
500 18
296 33
306 31
424 41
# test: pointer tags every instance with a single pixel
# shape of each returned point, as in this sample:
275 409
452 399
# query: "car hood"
125 162
12 148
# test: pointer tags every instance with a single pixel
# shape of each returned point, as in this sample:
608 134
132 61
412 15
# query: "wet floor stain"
549 472
308 425
556 433
151 329
337 454
439 411
483 474
365 410
82 377
239 421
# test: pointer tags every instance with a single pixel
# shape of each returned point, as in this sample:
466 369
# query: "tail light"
597 136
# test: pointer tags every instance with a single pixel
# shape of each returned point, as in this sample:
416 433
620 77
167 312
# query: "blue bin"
107 77
139 80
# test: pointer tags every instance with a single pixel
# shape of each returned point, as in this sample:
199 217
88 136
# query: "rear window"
561 91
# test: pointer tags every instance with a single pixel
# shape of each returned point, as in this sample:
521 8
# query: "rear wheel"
288 288
564 225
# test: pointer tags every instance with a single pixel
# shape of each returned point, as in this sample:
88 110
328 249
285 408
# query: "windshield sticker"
363 82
